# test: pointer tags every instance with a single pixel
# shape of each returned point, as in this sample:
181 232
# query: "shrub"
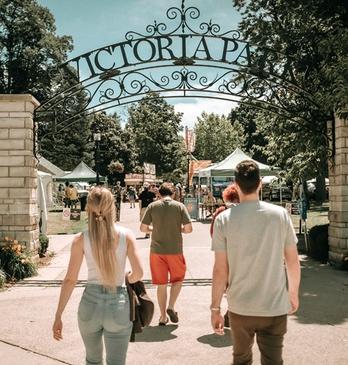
2 278
43 245
319 242
15 262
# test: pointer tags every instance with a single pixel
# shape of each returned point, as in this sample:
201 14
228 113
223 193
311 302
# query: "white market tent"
81 172
227 167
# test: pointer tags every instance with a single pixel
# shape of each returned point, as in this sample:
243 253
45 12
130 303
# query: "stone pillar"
338 175
18 173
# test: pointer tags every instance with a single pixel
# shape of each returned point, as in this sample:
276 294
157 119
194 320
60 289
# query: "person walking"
117 191
67 193
132 196
231 199
146 197
104 310
74 196
251 243
169 219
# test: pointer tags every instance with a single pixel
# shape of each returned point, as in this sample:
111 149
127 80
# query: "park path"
318 334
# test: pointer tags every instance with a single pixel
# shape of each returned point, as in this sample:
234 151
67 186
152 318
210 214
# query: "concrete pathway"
317 334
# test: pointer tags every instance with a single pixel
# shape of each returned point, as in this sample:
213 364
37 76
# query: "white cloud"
194 109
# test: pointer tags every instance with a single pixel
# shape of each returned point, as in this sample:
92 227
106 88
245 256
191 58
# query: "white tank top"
121 254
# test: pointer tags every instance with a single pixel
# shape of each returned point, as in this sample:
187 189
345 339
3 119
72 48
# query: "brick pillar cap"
19 97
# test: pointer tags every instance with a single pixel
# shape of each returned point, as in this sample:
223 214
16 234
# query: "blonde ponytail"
101 218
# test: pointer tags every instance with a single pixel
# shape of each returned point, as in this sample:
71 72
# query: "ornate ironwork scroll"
185 57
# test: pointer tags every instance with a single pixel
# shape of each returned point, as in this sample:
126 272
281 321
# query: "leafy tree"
216 137
312 35
29 48
30 53
66 148
112 145
246 116
155 127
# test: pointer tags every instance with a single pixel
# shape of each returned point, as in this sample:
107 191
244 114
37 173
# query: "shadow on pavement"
156 334
323 294
217 341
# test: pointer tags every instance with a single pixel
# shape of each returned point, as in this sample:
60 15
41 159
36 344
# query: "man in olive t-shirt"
169 219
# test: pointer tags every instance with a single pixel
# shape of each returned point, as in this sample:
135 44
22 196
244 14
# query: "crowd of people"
256 266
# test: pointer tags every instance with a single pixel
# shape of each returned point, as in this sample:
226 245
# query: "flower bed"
15 261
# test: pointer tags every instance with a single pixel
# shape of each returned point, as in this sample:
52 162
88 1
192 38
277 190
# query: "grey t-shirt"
254 235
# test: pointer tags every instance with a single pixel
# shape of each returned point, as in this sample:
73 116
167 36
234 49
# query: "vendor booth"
81 173
219 175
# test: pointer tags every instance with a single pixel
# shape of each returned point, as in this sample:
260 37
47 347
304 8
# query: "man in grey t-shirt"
251 243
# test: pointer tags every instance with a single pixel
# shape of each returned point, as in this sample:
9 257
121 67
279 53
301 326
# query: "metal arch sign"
191 59
181 49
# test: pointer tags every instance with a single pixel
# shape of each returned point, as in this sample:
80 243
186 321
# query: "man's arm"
145 228
220 281
293 271
187 228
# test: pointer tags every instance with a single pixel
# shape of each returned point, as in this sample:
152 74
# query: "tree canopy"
30 49
313 36
154 127
216 137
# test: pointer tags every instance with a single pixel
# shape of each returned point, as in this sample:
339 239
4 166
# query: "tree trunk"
320 191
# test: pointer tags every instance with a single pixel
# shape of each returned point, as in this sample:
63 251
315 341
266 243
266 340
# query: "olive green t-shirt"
254 235
166 216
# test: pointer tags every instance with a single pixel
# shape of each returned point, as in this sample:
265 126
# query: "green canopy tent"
81 173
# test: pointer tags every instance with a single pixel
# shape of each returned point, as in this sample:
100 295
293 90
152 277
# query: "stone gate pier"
18 174
338 176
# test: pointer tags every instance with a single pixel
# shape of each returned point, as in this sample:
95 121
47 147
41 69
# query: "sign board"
66 214
192 207
75 214
292 208
149 168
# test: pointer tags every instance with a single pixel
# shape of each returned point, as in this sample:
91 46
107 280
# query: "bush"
16 263
319 242
2 278
43 245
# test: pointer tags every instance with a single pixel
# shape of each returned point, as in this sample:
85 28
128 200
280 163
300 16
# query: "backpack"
141 307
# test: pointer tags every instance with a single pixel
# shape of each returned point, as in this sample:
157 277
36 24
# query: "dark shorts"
164 265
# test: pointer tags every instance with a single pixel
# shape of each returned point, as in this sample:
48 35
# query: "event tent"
80 173
227 167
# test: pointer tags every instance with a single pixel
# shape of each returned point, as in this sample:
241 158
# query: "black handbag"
141 307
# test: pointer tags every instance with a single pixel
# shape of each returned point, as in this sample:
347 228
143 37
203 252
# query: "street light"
97 139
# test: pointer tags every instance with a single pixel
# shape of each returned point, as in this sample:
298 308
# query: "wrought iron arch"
192 58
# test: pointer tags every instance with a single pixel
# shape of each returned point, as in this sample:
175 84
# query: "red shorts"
161 265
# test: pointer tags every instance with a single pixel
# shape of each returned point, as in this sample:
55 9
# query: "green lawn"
56 224
317 215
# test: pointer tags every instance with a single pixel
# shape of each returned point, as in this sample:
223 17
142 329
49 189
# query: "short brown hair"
247 176
166 189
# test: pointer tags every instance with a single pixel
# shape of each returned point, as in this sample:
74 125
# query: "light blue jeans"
105 313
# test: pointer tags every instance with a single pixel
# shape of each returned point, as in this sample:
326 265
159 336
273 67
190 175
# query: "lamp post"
97 139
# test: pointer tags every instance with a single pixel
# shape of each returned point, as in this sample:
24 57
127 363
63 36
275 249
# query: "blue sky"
94 24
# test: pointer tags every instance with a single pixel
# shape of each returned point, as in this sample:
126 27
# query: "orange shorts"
161 265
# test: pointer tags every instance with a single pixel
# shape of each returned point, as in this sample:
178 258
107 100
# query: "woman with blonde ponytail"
104 308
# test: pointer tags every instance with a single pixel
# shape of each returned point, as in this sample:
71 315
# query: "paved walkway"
318 334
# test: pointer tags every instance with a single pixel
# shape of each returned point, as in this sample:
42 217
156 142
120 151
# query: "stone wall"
338 175
18 173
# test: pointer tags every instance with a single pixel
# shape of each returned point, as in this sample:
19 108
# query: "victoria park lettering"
181 49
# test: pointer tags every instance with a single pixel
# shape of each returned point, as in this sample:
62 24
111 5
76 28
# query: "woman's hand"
57 329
